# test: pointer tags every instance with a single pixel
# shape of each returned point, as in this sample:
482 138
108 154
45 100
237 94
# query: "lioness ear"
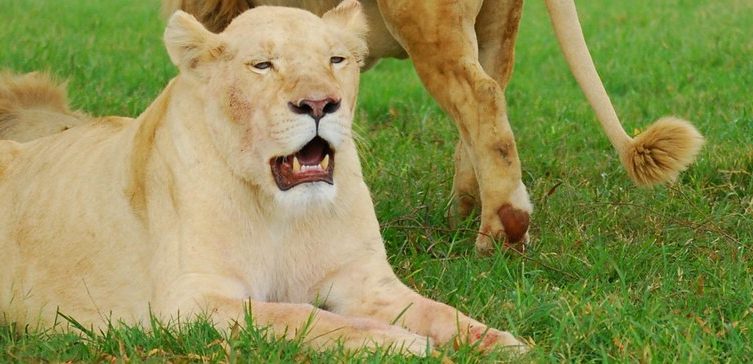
189 43
349 18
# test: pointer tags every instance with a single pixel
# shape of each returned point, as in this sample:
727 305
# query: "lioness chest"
294 267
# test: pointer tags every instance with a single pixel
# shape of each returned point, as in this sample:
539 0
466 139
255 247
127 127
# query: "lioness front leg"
318 328
443 46
369 288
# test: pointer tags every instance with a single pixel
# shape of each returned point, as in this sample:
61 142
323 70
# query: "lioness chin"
239 185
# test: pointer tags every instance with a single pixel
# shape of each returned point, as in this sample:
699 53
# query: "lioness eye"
336 59
262 65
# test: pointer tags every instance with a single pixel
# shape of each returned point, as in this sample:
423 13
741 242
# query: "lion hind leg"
444 51
464 187
32 106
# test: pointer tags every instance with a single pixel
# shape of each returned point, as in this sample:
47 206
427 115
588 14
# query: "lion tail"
655 156
32 106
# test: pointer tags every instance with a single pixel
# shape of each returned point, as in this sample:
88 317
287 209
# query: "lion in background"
462 51
239 188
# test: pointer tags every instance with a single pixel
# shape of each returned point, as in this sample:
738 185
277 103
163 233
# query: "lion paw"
506 221
406 342
393 339
487 339
513 232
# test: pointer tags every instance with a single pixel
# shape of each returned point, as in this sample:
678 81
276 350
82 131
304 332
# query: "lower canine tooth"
325 162
296 164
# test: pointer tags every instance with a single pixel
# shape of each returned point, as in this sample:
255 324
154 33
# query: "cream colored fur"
463 53
177 211
43 109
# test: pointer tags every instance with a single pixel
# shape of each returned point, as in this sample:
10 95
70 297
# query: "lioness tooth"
296 164
325 162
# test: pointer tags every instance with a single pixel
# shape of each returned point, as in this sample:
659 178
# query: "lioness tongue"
311 154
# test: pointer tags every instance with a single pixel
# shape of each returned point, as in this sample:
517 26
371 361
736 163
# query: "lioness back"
46 188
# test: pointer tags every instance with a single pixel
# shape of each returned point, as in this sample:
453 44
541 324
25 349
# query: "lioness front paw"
486 339
398 340
368 333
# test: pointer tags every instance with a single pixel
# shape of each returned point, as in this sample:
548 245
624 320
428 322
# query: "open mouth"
315 162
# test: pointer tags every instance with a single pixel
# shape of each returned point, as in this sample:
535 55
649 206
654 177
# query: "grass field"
617 273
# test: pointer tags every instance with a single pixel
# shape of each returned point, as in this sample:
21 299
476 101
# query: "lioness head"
279 87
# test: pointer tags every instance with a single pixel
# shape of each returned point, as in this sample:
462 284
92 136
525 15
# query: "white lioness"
239 184
463 52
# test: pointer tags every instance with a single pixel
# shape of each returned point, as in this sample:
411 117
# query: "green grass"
617 273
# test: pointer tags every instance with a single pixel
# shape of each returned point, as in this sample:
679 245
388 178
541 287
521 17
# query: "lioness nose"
315 108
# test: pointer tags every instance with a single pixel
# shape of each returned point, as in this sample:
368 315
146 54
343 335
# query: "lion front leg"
221 300
444 48
319 328
370 289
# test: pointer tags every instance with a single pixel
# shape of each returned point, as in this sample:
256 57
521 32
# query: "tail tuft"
32 106
661 152
31 91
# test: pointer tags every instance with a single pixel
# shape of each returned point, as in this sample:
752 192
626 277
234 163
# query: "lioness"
240 184
463 52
